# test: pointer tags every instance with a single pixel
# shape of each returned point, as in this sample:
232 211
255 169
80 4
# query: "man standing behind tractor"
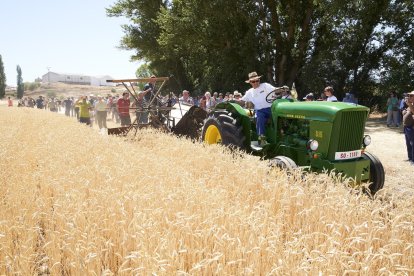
257 95
123 109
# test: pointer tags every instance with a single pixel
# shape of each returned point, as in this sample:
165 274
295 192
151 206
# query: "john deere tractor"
316 136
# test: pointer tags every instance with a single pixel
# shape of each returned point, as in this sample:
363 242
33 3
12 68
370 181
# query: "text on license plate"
347 155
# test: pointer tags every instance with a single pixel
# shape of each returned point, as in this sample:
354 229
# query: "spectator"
257 95
123 109
237 95
215 97
9 102
210 102
150 90
40 102
328 91
220 98
77 109
286 93
20 103
142 115
186 99
203 103
114 109
349 98
226 97
72 108
408 122
68 106
31 102
101 112
392 110
309 97
403 105
84 107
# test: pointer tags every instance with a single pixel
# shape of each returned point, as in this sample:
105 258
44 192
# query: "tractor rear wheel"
283 162
376 173
221 128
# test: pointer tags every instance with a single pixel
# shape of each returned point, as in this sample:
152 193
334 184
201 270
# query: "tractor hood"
316 110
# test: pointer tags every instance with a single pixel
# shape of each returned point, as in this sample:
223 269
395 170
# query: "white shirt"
101 106
331 99
258 95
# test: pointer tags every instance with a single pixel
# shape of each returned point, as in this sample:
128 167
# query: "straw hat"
253 76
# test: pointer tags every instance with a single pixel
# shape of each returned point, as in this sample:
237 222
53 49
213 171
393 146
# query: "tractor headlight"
313 145
367 140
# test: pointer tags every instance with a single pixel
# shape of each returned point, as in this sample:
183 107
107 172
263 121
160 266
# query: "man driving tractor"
257 95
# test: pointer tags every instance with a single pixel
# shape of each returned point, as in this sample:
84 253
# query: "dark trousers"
262 116
409 141
125 120
85 120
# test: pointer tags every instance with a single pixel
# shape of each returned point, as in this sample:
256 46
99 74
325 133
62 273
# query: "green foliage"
143 71
20 85
361 46
2 79
31 86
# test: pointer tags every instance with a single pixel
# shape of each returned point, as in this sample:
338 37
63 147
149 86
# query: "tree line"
20 85
361 46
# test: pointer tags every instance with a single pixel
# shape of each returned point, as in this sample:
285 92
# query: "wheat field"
74 202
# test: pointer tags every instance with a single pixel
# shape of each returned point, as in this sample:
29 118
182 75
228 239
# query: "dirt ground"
389 145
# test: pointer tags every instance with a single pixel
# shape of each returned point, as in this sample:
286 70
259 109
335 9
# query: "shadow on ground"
376 124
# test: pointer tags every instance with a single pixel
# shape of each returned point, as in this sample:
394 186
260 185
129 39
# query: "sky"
66 36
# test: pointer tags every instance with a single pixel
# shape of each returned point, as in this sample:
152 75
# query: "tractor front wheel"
283 162
376 173
223 129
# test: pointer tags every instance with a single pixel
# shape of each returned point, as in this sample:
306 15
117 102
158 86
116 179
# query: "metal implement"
160 114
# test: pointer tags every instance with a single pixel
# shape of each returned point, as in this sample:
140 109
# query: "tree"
2 80
20 85
214 44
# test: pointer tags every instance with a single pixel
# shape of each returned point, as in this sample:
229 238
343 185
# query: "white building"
52 77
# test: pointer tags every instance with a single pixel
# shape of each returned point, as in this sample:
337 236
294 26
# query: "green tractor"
316 136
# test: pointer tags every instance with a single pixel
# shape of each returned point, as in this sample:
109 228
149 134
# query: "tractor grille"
351 130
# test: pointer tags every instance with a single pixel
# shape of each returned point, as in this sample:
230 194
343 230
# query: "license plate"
348 155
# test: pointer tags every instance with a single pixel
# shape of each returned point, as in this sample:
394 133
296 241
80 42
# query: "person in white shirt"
286 93
101 108
257 95
186 99
329 94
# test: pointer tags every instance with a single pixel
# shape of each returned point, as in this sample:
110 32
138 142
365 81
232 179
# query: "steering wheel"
272 96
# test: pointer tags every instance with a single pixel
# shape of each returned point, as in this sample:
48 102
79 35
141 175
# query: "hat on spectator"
308 96
411 93
253 76
236 93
